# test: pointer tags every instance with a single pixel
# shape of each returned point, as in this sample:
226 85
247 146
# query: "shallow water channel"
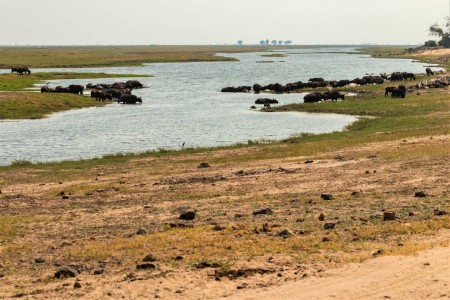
183 103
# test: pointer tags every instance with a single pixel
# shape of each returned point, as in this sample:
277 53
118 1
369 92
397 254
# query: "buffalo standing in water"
133 84
129 99
76 89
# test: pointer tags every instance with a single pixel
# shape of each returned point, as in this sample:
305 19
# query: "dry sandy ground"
94 229
423 276
438 52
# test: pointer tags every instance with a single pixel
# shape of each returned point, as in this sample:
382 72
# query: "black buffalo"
388 90
133 84
313 97
129 99
333 96
409 76
76 89
47 89
429 72
60 89
266 101
20 70
257 88
100 95
398 93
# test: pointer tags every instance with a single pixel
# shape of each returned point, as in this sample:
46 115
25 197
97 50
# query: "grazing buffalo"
342 83
115 93
388 90
133 84
397 93
129 99
313 97
333 96
266 101
76 89
47 89
20 70
396 76
402 88
409 76
429 72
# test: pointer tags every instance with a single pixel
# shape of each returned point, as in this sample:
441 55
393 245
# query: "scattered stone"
321 217
388 216
149 258
238 216
179 291
438 212
264 211
39 260
371 156
77 285
141 231
203 165
218 228
378 252
179 225
339 157
326 239
300 220
66 272
178 257
367 172
206 264
65 197
411 214
146 266
420 194
326 197
285 233
99 272
309 162
188 215
329 225
355 193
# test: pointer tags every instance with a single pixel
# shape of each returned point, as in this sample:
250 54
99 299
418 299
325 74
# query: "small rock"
285 233
146 266
141 231
178 257
149 258
39 260
66 272
203 165
438 212
65 197
355 193
411 214
188 215
77 285
378 252
218 228
238 216
300 220
420 194
99 272
321 217
388 216
309 162
329 225
326 196
367 172
326 239
264 211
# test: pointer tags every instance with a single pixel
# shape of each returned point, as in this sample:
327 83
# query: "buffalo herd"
120 91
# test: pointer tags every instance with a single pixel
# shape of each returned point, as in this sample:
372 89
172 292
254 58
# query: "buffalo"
429 72
333 96
100 95
129 99
47 89
133 84
388 90
76 89
266 101
60 89
397 93
257 88
409 76
20 70
313 97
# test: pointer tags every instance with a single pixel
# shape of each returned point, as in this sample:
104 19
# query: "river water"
183 104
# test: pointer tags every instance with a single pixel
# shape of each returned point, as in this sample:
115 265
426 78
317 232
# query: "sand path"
424 276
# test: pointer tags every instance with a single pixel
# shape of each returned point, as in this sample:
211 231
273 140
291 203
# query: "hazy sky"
68 22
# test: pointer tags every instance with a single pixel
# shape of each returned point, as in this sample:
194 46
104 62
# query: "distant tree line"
267 42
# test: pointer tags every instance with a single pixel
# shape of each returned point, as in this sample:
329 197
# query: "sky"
205 22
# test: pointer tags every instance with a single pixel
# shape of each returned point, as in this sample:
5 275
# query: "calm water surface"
183 103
